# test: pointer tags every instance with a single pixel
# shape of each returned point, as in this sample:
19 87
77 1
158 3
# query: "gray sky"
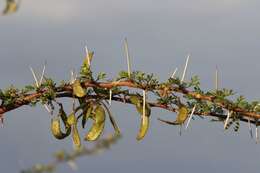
160 35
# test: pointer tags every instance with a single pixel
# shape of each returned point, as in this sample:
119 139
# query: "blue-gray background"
160 35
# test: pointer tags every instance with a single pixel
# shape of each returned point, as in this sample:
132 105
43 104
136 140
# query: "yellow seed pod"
77 89
144 118
112 120
135 100
97 128
143 127
71 120
11 7
182 115
56 129
86 116
76 137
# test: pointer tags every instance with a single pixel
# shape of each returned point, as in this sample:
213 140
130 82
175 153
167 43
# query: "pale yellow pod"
145 121
86 116
11 7
76 137
143 127
98 126
182 115
77 89
56 129
71 120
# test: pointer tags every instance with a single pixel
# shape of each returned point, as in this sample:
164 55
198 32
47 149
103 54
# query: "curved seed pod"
56 129
143 127
183 113
136 100
75 136
64 117
77 89
71 120
112 120
99 123
144 118
86 115
145 113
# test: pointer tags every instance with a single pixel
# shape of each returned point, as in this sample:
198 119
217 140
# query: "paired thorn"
191 115
185 68
43 72
227 119
173 74
39 83
34 76
127 57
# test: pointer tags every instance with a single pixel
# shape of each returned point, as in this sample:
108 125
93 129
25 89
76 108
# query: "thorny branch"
175 95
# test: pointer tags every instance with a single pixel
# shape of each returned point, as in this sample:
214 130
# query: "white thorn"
226 121
216 78
192 112
87 54
250 128
256 135
173 74
43 72
127 57
47 108
110 97
144 102
72 78
185 68
34 76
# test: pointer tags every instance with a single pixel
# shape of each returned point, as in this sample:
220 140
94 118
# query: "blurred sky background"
160 35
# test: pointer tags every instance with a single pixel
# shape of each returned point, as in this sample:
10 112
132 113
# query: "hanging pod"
183 113
72 121
97 128
76 137
11 7
112 120
86 115
56 127
77 89
145 121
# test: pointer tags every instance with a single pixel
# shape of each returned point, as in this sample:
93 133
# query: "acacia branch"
66 91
